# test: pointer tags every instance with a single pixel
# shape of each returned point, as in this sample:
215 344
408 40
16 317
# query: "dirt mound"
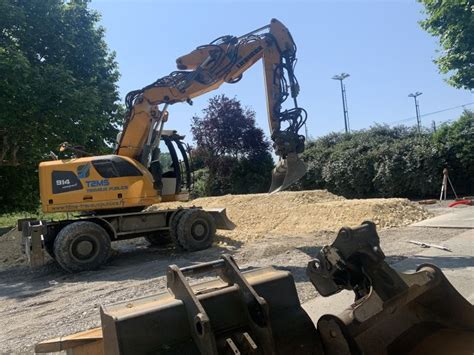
304 212
10 250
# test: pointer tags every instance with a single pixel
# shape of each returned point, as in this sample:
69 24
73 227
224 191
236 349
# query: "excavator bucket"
258 311
252 312
287 172
394 312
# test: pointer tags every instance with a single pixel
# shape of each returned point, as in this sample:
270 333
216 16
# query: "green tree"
231 154
457 142
453 22
58 83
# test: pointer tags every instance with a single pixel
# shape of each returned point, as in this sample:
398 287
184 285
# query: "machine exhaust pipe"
287 172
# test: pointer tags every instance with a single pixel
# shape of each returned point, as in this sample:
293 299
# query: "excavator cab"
106 182
170 167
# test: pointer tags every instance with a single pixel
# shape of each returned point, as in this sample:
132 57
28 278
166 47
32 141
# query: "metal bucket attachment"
87 342
33 233
287 172
252 312
220 217
394 313
256 312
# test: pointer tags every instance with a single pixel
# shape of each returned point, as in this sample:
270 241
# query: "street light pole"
417 109
345 110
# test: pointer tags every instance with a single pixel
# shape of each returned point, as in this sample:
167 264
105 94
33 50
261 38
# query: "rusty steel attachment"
33 234
393 313
258 311
241 313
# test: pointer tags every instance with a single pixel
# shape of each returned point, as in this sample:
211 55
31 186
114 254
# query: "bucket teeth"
287 172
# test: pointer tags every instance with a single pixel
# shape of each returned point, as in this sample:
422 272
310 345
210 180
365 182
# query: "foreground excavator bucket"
287 172
258 311
393 312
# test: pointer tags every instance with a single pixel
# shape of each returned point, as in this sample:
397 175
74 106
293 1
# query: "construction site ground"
39 304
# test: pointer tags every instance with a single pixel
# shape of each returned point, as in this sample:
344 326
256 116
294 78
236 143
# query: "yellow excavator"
111 191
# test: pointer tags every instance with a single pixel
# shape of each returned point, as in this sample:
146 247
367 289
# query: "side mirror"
53 156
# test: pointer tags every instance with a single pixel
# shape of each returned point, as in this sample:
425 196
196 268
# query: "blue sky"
379 43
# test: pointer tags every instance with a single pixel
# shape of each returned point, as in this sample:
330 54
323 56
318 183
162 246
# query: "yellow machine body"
134 175
92 183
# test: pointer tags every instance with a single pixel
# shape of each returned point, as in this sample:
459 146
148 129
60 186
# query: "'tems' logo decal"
97 183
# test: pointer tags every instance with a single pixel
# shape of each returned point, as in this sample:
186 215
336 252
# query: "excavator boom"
207 68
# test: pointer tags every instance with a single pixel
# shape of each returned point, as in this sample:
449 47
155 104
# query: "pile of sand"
305 212
10 250
283 214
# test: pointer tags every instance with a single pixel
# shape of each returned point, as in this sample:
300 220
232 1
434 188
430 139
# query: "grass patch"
9 220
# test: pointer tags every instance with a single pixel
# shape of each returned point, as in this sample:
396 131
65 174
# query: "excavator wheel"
174 228
195 230
159 238
81 246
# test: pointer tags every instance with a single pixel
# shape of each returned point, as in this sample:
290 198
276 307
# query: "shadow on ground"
128 262
4 230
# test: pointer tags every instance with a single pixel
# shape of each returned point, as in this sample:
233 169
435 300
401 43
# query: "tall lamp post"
341 77
417 108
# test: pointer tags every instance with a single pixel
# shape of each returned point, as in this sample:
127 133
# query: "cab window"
115 167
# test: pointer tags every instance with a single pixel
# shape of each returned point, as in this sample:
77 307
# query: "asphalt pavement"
458 217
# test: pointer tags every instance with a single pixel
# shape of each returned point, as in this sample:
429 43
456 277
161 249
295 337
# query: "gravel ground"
45 303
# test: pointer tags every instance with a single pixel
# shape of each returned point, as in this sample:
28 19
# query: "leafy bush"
252 174
201 186
392 162
19 189
228 175
407 167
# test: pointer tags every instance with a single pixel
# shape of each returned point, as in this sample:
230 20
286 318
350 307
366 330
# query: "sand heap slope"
10 250
305 212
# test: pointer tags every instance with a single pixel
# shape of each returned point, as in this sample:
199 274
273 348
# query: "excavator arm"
208 67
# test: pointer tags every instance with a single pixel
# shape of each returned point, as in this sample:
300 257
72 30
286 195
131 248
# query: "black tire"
49 246
82 246
159 238
196 230
174 228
